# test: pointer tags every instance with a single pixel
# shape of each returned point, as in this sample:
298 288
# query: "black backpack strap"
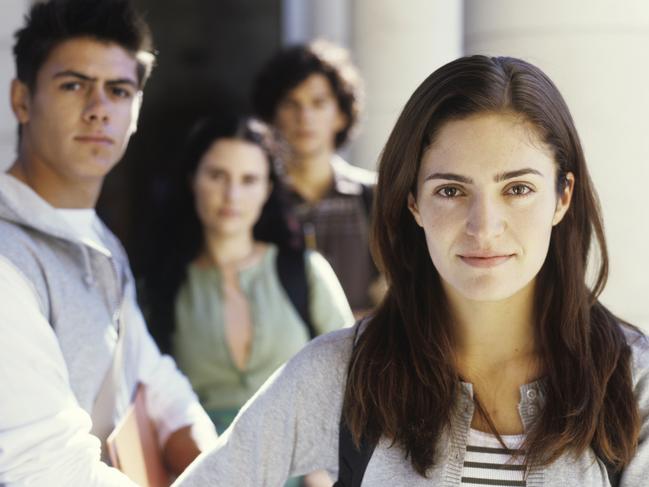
352 462
367 194
614 474
291 271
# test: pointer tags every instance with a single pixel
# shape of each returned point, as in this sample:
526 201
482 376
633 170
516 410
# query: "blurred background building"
209 51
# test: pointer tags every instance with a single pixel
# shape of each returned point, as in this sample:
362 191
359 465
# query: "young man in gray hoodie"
73 343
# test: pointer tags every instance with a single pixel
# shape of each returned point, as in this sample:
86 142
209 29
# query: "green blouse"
200 344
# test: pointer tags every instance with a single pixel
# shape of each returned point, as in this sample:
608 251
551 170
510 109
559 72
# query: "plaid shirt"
338 227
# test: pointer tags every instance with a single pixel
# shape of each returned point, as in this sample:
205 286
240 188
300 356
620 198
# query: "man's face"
309 117
78 119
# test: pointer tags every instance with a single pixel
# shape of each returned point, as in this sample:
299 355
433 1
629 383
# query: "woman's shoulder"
639 343
327 352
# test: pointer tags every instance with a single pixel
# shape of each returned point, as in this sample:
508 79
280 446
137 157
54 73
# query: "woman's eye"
250 179
216 175
519 190
449 192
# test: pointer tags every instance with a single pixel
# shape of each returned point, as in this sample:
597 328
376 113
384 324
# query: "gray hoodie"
80 288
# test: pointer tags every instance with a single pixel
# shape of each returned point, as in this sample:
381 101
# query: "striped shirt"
487 463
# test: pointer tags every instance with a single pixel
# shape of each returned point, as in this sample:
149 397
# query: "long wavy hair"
402 382
182 237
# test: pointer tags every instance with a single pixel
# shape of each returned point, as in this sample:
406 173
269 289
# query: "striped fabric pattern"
487 463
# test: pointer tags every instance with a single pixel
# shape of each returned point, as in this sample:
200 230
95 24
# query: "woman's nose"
485 219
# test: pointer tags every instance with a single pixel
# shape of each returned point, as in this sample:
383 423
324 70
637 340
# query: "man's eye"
121 92
288 104
449 192
71 86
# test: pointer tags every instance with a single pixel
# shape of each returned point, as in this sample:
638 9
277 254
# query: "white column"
304 20
596 52
397 44
11 18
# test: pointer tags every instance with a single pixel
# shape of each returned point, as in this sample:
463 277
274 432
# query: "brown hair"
402 382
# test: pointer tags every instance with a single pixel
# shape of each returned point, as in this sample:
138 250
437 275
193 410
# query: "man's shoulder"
14 237
349 172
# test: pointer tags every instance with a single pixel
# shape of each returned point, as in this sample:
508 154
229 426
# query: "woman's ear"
412 206
563 202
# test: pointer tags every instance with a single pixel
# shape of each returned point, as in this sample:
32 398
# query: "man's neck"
55 189
311 176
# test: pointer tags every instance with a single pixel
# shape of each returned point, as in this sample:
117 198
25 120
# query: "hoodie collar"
21 205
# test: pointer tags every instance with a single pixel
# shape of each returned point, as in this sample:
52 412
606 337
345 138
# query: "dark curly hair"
291 66
49 24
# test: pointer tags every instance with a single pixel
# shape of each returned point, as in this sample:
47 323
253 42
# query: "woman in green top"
234 322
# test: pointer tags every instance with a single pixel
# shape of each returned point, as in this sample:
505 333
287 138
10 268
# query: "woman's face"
487 202
230 187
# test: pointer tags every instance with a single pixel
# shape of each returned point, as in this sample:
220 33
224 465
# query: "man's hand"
180 450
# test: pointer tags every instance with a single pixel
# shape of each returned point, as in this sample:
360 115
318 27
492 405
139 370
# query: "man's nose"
96 109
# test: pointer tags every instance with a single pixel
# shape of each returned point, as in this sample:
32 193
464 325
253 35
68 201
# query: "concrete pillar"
596 53
11 18
304 20
396 45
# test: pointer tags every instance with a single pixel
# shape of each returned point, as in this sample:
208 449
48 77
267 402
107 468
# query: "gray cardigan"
291 427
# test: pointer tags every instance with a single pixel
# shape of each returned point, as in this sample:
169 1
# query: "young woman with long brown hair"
490 361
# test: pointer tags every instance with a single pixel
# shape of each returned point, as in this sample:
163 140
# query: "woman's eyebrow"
503 176
450 176
514 174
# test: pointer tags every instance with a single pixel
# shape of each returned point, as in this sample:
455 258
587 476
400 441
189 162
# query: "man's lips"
95 139
485 260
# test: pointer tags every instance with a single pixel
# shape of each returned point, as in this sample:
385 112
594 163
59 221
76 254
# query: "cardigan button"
531 394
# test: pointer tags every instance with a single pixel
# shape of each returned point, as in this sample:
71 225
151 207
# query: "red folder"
133 446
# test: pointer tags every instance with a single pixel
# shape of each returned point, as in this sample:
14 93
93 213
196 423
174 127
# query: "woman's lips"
485 261
228 213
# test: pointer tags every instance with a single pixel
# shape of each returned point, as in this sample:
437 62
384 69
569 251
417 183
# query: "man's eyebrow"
514 174
73 74
69 73
123 81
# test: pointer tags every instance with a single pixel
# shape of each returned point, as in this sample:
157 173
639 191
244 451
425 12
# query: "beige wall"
396 46
11 17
